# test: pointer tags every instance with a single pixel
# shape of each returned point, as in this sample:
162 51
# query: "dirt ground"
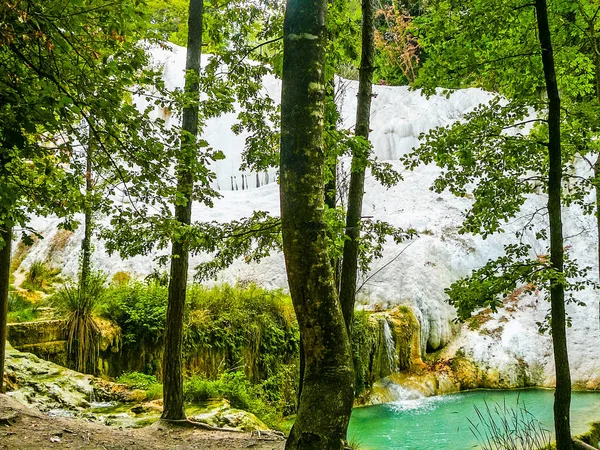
22 428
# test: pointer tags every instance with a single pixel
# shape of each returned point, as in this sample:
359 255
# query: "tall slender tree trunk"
328 385
357 176
86 244
173 408
597 189
597 163
6 236
562 396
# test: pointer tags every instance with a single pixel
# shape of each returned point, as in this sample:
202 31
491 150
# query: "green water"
438 423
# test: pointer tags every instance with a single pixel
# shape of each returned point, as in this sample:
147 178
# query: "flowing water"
390 346
439 423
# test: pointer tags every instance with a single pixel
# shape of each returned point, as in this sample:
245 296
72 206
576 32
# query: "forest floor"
24 428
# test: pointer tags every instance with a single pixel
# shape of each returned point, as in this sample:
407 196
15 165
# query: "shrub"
142 381
20 308
137 380
244 335
198 389
237 389
40 277
83 333
255 328
234 386
154 391
139 309
121 278
281 390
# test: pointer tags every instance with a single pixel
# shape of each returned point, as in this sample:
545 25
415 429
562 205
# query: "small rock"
54 439
8 418
139 409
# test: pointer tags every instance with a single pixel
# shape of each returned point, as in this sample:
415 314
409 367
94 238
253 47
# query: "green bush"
281 390
40 277
237 389
21 309
144 382
198 389
231 319
253 327
137 380
139 309
154 391
246 336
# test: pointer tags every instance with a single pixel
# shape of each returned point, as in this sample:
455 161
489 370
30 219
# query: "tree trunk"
562 396
6 236
357 176
86 244
173 408
328 386
597 163
597 188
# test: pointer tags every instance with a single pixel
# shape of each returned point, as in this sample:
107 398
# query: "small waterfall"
390 346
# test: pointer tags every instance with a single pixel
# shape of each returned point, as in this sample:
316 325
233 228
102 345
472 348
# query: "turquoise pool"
438 423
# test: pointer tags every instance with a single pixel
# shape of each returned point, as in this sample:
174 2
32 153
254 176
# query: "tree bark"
86 243
597 189
357 176
6 236
597 163
562 396
328 385
172 377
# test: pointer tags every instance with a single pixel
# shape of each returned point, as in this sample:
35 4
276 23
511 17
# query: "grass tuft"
501 427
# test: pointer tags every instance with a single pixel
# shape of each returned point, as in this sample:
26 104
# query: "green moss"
370 353
405 327
363 341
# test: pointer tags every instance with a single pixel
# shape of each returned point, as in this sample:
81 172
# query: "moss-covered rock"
46 385
29 333
219 413
384 343
471 375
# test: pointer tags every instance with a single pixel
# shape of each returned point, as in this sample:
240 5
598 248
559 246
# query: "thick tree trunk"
86 244
357 177
173 408
562 397
327 391
6 236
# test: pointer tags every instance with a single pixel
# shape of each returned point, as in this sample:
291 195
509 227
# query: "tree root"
187 423
580 445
